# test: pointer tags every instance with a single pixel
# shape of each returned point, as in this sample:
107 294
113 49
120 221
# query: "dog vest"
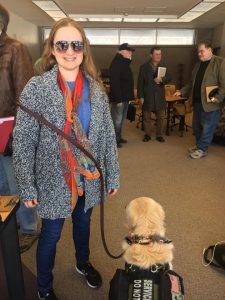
156 283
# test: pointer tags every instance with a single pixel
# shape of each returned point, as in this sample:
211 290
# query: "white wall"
203 34
25 32
219 39
217 35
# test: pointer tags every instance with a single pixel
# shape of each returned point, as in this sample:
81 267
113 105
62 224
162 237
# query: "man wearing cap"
151 92
207 74
121 88
15 70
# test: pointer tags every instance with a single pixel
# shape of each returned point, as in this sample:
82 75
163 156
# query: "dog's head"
145 217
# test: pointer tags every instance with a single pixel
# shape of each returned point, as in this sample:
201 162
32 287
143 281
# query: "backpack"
131 112
137 284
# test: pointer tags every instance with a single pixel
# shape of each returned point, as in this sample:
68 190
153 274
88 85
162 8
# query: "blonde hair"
48 60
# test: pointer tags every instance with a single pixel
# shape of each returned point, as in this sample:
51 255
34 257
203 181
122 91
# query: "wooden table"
9 242
170 101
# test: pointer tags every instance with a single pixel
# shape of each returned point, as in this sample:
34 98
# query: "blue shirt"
84 111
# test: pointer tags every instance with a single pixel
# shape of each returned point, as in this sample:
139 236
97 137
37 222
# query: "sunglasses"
62 46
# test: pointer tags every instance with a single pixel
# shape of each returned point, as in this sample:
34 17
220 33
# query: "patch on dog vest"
141 289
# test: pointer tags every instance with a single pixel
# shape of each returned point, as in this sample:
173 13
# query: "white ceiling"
30 12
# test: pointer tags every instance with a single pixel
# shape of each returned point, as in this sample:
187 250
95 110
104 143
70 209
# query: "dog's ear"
161 213
131 219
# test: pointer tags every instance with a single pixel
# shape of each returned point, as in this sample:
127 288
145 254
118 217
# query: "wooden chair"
139 113
169 89
178 111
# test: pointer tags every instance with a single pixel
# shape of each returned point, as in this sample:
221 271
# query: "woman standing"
51 173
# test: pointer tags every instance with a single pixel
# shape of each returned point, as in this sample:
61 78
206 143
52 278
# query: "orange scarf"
74 162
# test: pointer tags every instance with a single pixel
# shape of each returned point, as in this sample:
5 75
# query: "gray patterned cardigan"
36 152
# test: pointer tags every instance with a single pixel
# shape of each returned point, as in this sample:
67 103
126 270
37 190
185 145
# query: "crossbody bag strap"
98 166
60 132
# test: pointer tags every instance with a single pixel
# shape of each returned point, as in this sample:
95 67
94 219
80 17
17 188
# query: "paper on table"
7 202
161 71
2 120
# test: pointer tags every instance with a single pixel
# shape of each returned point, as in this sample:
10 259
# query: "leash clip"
131 268
155 268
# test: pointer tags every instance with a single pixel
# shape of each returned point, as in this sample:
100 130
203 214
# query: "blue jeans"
50 235
4 187
204 125
119 114
27 217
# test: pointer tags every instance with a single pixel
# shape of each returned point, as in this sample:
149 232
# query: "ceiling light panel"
57 19
219 1
82 18
172 20
46 5
97 18
104 19
204 6
56 14
139 19
189 16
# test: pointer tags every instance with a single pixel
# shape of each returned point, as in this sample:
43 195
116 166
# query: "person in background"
15 70
121 88
37 64
208 72
151 92
52 174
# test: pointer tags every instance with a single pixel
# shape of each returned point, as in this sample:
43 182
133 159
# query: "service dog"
146 244
148 255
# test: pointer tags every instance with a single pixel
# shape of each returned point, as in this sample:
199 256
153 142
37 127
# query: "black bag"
214 255
144 284
119 286
131 113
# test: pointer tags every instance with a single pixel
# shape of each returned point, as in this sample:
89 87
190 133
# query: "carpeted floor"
192 193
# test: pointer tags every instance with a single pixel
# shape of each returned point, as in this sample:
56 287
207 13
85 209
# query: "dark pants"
204 125
119 114
50 235
148 122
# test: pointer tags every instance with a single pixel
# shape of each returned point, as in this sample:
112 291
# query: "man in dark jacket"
121 88
152 94
15 70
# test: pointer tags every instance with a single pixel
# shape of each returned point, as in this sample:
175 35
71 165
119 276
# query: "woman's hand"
112 192
31 203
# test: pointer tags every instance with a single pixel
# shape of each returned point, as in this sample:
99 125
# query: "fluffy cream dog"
146 245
